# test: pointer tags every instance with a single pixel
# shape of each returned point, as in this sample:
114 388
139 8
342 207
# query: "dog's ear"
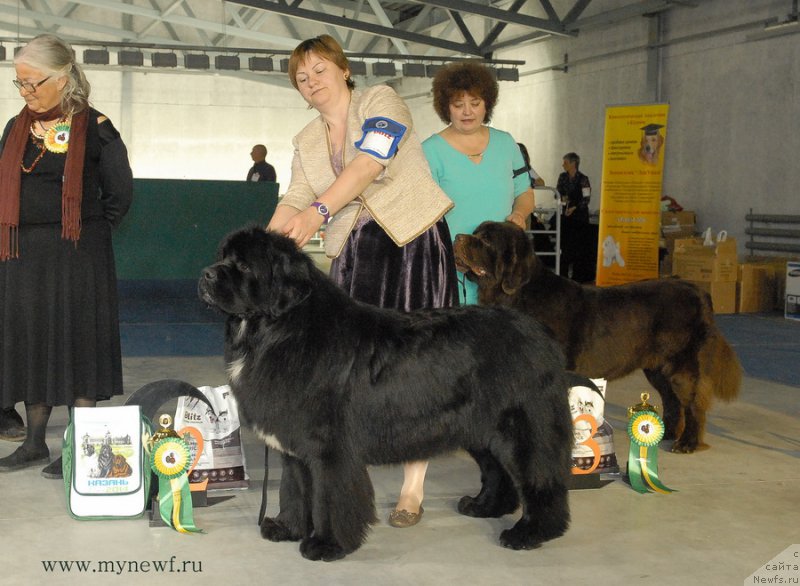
514 267
291 286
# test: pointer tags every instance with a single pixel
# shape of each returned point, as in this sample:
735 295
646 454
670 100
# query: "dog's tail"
721 367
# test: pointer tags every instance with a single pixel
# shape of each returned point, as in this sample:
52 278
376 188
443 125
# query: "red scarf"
11 172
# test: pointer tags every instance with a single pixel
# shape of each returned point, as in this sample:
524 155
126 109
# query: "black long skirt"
59 318
421 274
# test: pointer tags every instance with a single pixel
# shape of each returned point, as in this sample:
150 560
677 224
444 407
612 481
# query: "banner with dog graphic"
630 207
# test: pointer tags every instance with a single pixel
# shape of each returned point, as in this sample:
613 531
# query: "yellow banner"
630 206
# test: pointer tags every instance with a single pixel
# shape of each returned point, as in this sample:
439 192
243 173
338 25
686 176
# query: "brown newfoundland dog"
664 327
337 385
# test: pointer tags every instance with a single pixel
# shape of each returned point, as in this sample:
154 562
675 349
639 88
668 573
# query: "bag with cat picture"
106 462
222 461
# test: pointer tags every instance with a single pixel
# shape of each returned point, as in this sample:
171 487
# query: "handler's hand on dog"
517 219
302 227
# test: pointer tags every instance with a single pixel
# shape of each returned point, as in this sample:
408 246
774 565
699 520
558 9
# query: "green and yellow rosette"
645 430
56 139
170 460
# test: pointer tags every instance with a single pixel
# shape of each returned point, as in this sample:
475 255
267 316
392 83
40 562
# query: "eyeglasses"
27 86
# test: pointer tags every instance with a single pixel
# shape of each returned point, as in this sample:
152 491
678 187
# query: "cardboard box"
758 287
674 225
723 294
678 223
792 310
695 262
778 266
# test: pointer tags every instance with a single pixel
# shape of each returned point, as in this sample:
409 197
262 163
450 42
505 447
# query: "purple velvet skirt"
421 274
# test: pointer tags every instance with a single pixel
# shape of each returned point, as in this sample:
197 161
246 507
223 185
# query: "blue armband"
380 137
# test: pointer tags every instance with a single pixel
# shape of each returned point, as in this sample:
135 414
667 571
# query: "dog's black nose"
209 274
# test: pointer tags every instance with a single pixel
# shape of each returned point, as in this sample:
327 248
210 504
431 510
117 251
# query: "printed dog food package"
222 461
587 406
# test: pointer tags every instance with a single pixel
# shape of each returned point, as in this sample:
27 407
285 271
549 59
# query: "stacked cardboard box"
761 286
674 225
712 268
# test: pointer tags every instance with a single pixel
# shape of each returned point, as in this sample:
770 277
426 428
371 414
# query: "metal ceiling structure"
374 29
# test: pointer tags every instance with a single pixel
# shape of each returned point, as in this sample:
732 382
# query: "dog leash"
263 510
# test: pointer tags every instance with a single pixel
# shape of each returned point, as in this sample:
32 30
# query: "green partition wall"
174 226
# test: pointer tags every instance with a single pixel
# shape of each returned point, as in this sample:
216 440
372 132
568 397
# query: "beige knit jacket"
404 199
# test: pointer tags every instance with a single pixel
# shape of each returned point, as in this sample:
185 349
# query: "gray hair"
54 56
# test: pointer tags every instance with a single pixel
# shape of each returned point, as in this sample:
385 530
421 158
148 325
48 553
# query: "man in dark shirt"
261 170
578 236
575 190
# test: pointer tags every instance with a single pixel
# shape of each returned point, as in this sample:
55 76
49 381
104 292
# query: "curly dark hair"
454 79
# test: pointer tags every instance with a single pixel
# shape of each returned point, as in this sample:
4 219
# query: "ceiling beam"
620 14
48 20
366 27
500 26
551 26
383 19
216 27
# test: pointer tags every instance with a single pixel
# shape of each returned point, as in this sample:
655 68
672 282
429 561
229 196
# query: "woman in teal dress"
480 168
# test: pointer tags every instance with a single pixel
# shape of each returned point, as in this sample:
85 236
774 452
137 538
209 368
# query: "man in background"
261 170
578 236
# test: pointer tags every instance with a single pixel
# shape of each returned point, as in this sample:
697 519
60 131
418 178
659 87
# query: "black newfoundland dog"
338 385
663 326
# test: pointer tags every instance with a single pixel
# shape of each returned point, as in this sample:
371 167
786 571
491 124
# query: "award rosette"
56 139
645 430
171 460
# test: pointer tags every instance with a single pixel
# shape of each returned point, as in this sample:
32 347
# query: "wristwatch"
322 209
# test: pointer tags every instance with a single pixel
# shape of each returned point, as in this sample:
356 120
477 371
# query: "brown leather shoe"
402 518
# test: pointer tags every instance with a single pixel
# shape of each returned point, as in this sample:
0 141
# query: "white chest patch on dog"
235 369
272 442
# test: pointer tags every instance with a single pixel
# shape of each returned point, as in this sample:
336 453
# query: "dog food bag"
587 401
222 462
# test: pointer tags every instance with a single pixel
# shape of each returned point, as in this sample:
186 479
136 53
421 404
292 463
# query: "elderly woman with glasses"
65 182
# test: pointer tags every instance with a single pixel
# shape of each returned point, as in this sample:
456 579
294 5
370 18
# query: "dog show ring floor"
735 509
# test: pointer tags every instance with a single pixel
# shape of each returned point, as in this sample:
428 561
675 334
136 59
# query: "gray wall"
732 140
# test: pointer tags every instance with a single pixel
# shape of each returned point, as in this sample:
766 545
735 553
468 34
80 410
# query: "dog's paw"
473 507
520 538
688 447
316 549
274 530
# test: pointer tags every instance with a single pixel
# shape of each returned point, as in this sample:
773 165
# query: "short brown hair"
454 79
326 47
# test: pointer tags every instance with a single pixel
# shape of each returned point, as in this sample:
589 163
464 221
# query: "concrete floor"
736 509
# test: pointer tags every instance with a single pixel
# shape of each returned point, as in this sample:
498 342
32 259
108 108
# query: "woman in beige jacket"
359 168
